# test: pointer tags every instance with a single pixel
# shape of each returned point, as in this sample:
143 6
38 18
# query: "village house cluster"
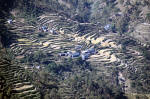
46 29
79 53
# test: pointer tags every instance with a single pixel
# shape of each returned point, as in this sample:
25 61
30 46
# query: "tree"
95 10
147 18
83 11
122 24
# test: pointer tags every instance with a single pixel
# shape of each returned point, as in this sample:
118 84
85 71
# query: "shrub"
147 19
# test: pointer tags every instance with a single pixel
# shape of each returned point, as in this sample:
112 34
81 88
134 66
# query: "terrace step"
17 85
23 88
26 93
32 96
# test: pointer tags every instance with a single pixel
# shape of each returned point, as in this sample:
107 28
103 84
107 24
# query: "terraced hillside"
74 49
18 81
62 36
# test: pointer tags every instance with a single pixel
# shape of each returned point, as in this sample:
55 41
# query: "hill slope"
54 43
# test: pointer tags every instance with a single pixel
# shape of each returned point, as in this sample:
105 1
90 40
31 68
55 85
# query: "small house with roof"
63 54
9 21
69 54
44 28
75 54
107 27
85 56
78 47
90 51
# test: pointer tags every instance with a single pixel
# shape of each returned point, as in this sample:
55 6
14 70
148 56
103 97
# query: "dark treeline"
5 7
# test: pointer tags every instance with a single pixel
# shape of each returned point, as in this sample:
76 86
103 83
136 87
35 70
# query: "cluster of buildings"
45 29
83 54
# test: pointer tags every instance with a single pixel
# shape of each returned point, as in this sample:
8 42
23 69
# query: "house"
37 67
78 47
119 14
9 21
44 28
76 54
63 54
53 31
85 56
69 54
73 54
107 27
90 51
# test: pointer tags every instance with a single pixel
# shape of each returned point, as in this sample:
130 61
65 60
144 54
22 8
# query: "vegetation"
148 17
141 79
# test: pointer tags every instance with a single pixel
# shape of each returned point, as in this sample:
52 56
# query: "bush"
122 25
147 17
53 67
